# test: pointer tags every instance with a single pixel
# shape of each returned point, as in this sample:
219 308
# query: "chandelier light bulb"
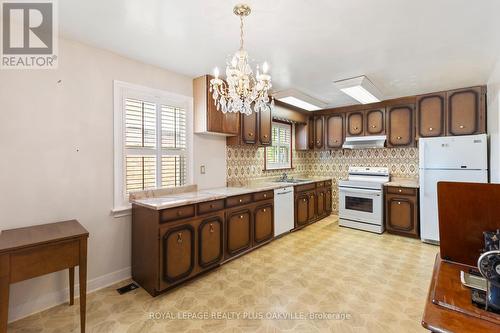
216 72
265 67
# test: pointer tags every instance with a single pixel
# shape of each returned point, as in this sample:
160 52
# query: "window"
152 143
279 154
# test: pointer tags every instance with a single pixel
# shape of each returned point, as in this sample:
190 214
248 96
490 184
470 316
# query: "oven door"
362 205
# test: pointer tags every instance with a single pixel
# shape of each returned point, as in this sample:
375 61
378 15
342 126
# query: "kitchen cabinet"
310 128
301 210
400 126
249 128
334 131
466 111
301 137
313 201
355 123
211 237
238 231
265 120
263 223
311 206
375 122
401 211
256 129
319 132
431 115
207 119
321 204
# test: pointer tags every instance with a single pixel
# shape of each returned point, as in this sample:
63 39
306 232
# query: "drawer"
328 183
402 190
320 184
210 206
263 195
238 200
176 213
305 187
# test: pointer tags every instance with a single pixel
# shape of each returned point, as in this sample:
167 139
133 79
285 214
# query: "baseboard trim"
56 298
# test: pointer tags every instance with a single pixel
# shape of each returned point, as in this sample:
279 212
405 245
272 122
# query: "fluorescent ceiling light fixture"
360 88
300 100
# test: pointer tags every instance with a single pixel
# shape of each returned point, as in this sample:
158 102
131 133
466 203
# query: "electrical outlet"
202 169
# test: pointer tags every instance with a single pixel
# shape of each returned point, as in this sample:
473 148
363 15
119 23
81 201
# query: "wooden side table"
29 252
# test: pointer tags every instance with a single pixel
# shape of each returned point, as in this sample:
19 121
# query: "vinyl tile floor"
324 278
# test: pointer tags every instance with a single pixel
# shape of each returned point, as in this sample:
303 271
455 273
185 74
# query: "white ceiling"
405 47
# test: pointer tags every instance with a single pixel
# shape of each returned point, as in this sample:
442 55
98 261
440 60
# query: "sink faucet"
284 177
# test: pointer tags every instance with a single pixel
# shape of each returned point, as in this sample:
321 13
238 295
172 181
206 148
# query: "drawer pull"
179 238
265 195
400 190
462 126
179 213
399 202
304 200
211 228
212 206
241 200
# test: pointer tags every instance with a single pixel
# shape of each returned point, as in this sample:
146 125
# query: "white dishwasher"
284 218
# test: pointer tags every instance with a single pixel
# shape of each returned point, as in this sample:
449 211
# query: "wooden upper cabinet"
400 126
431 115
301 136
310 129
249 128
265 127
354 125
375 122
207 119
334 131
319 132
466 111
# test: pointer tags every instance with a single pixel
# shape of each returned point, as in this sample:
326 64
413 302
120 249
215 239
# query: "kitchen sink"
292 180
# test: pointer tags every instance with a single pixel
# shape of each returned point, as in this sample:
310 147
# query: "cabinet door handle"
265 136
179 237
211 228
317 141
304 200
250 134
399 138
264 210
355 128
430 129
373 126
241 217
399 202
462 126
321 194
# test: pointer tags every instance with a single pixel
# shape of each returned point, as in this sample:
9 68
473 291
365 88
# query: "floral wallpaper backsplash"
246 163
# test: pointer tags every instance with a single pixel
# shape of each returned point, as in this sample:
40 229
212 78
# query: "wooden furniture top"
14 239
466 210
439 317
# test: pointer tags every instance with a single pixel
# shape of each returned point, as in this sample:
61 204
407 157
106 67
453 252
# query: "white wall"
494 123
56 159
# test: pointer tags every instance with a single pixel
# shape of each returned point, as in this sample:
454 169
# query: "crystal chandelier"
242 91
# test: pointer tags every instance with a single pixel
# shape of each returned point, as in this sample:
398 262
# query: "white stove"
361 199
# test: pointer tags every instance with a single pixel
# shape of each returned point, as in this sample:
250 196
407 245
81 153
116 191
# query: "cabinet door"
312 206
177 252
318 132
210 240
335 131
375 122
265 127
431 115
302 209
249 128
466 111
400 126
310 129
263 223
354 123
320 196
231 123
239 229
214 116
328 201
401 215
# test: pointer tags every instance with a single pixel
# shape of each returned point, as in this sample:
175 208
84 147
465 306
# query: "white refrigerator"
451 158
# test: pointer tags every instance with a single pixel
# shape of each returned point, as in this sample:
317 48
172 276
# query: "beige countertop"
195 196
403 182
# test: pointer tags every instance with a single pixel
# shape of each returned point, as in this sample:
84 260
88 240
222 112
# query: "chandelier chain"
241 33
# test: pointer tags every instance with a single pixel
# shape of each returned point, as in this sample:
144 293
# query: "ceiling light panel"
361 89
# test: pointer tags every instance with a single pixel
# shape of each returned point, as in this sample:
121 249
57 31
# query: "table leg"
4 292
71 285
83 282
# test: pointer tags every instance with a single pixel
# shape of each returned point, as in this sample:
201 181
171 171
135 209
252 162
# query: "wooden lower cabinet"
263 223
401 211
321 198
238 231
311 206
312 202
301 209
210 241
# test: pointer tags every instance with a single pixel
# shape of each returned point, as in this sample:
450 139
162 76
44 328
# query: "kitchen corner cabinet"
207 119
312 202
334 131
400 126
401 211
466 111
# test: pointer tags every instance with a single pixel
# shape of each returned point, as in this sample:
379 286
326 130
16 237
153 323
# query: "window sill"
121 211
279 168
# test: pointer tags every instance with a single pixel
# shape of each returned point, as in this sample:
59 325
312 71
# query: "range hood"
364 142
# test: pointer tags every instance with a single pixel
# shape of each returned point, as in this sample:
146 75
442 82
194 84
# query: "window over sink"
152 140
279 154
